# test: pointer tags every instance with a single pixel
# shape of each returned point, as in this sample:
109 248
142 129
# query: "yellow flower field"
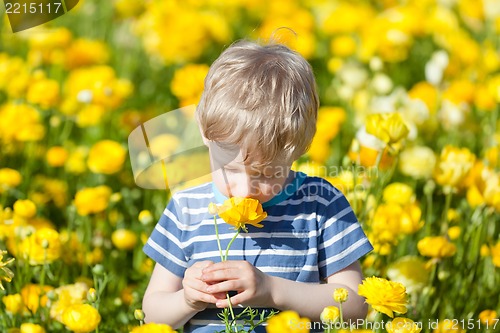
408 129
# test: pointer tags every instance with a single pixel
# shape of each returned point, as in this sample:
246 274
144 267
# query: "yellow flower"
384 296
128 8
25 209
56 156
76 161
398 193
343 46
239 212
14 128
484 251
365 149
13 303
388 127
92 200
124 239
34 295
41 247
448 325
81 318
427 93
436 247
187 83
411 271
417 162
145 217
287 322
85 52
453 166
44 92
5 273
106 157
153 328
495 254
402 325
488 317
67 295
330 314
31 328
454 232
340 295
9 178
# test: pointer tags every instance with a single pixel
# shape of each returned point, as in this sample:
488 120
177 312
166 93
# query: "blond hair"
262 98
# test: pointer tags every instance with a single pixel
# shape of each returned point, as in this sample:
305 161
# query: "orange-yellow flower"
153 328
436 247
287 322
106 157
81 318
239 212
384 296
402 325
388 127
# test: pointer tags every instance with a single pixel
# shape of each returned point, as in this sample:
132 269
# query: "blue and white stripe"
309 234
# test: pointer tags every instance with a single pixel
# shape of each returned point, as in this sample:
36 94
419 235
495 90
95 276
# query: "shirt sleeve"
164 245
341 238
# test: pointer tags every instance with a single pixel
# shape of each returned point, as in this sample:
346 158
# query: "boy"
257 114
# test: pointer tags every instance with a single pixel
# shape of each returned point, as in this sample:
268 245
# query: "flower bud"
92 295
212 208
98 269
139 314
340 295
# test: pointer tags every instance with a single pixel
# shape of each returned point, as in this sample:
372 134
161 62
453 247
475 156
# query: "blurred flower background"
408 130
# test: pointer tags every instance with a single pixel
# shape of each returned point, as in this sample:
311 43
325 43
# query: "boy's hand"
195 290
252 285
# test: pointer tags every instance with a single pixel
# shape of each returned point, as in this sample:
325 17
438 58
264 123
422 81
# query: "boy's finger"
220 275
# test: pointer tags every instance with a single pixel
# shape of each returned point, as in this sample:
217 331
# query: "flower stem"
230 243
218 239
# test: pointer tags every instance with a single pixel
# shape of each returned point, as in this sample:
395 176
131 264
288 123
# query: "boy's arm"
171 300
309 300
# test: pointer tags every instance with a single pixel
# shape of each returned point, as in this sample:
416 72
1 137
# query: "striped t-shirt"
309 234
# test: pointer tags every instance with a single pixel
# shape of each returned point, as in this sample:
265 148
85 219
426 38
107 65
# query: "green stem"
230 243
444 226
218 239
341 316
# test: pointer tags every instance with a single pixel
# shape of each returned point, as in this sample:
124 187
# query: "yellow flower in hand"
384 296
239 212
